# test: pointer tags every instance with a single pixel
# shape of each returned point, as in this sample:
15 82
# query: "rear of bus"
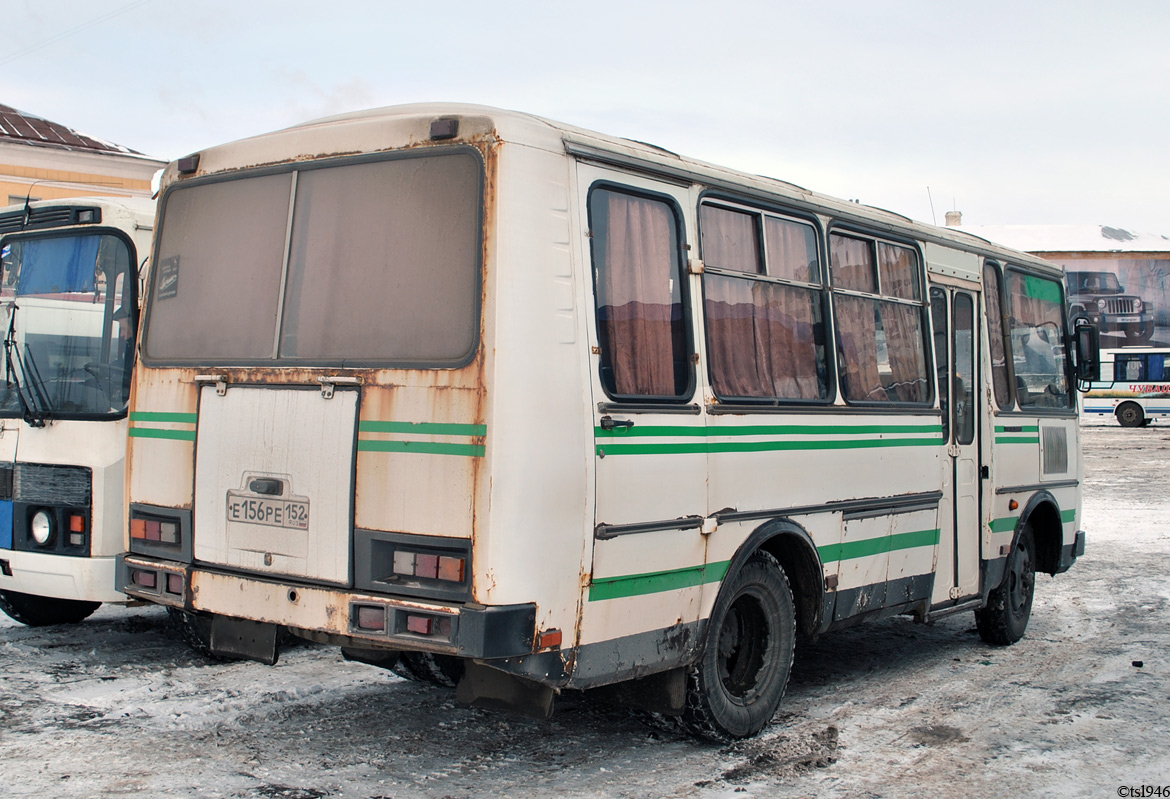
309 431
69 296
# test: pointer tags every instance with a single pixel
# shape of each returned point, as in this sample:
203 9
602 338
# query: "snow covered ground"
1081 706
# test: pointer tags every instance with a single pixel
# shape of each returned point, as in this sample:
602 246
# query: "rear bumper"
338 614
59 576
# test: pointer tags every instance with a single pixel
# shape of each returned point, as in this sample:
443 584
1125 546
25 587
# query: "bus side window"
764 332
880 317
641 319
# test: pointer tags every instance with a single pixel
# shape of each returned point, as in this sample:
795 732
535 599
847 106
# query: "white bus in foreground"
506 403
1133 386
69 293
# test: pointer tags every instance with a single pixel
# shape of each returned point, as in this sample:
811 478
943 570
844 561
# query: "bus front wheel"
41 611
1009 606
737 684
1130 414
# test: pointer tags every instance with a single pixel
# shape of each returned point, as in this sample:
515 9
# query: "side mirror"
1088 350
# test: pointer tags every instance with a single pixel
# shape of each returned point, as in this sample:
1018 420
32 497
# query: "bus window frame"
130 300
845 228
1069 411
645 401
476 345
822 289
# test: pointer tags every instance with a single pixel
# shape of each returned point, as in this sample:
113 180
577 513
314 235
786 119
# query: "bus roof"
394 127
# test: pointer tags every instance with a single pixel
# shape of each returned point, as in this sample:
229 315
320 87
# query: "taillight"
428 566
144 578
371 618
162 531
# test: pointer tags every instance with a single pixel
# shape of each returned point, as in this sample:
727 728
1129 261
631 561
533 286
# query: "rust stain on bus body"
452 395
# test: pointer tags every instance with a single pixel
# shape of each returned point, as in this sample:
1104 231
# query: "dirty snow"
118 706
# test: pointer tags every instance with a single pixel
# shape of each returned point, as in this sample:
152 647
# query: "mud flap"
382 658
241 638
482 686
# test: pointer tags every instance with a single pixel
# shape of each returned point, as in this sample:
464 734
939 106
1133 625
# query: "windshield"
69 318
369 262
1036 315
1095 282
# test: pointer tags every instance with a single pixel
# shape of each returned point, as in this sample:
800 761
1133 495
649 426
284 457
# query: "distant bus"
1133 386
525 407
69 307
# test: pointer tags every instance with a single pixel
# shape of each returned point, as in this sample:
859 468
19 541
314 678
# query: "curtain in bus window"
999 371
1129 369
851 261
58 266
792 250
761 339
1036 309
1156 368
858 343
639 302
899 271
731 239
902 325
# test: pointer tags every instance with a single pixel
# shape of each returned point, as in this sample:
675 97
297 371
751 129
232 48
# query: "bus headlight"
41 527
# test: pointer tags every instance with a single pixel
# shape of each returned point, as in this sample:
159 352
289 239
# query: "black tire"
41 611
1009 606
735 687
1130 414
442 670
195 630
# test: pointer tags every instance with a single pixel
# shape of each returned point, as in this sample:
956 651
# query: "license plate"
249 509
1124 319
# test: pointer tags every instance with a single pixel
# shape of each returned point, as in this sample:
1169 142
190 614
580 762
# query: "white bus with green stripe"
69 292
506 404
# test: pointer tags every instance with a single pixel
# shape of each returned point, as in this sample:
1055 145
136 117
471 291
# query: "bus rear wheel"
1009 606
1130 414
737 684
41 611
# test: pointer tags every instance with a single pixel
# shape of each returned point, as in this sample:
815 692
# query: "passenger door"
956 339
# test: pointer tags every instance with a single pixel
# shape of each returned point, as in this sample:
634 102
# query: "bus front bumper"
59 576
338 614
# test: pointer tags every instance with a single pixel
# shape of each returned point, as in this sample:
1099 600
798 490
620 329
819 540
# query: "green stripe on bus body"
422 447
1017 440
1004 525
656 582
1067 516
155 432
849 550
715 431
760 446
161 416
1022 428
424 428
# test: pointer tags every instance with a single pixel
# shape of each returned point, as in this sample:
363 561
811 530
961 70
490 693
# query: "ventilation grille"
1119 305
1054 445
50 217
52 485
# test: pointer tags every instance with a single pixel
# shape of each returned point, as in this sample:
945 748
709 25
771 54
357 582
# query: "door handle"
609 423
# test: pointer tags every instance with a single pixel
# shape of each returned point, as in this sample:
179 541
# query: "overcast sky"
1013 112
